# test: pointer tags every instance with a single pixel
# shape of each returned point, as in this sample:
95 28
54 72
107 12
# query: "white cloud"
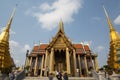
12 32
18 52
99 48
45 7
3 28
96 18
117 20
17 61
26 47
48 15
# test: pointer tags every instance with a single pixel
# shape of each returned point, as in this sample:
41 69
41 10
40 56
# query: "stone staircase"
70 78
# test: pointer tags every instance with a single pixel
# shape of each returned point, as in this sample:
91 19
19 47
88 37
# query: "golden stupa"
114 45
6 61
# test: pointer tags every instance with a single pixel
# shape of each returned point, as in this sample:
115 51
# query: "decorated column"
42 65
51 60
74 59
91 62
30 61
86 67
96 64
36 61
79 64
68 61
46 62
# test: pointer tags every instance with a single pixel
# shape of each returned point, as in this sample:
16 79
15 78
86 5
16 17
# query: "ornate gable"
60 40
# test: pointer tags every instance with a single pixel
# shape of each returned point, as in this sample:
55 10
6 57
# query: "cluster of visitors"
10 76
59 76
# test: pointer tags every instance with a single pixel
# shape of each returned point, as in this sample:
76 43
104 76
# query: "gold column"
51 60
36 61
68 61
27 62
74 59
0 61
30 62
96 64
86 67
79 65
46 61
3 62
91 61
42 65
46 58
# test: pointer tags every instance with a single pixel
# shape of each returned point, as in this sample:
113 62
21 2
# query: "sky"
36 21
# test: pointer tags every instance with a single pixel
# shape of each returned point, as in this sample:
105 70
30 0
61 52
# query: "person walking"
65 76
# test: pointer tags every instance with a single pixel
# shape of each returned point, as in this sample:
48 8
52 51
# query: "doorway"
60 60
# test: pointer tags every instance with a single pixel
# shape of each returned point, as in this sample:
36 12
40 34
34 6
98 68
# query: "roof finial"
108 19
11 18
5 34
113 33
61 26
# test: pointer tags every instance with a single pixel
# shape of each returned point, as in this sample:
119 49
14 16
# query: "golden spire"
4 36
113 33
61 26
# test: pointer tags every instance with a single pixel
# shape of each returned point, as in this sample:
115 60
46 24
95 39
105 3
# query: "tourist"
11 76
43 71
57 73
90 73
59 76
65 76
47 70
15 74
50 76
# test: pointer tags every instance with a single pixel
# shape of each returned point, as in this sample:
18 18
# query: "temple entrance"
60 61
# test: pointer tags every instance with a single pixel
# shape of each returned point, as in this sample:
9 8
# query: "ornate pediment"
60 40
60 43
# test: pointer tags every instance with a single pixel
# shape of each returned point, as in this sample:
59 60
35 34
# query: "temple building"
6 61
60 54
114 45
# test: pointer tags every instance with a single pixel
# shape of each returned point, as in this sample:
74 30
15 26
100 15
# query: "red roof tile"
42 46
40 50
86 47
35 48
78 46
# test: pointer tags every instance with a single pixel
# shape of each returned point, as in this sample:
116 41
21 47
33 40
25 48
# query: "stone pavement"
70 78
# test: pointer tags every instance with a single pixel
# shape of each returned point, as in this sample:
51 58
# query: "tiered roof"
40 49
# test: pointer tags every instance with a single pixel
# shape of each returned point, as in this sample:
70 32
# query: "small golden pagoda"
114 45
6 61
